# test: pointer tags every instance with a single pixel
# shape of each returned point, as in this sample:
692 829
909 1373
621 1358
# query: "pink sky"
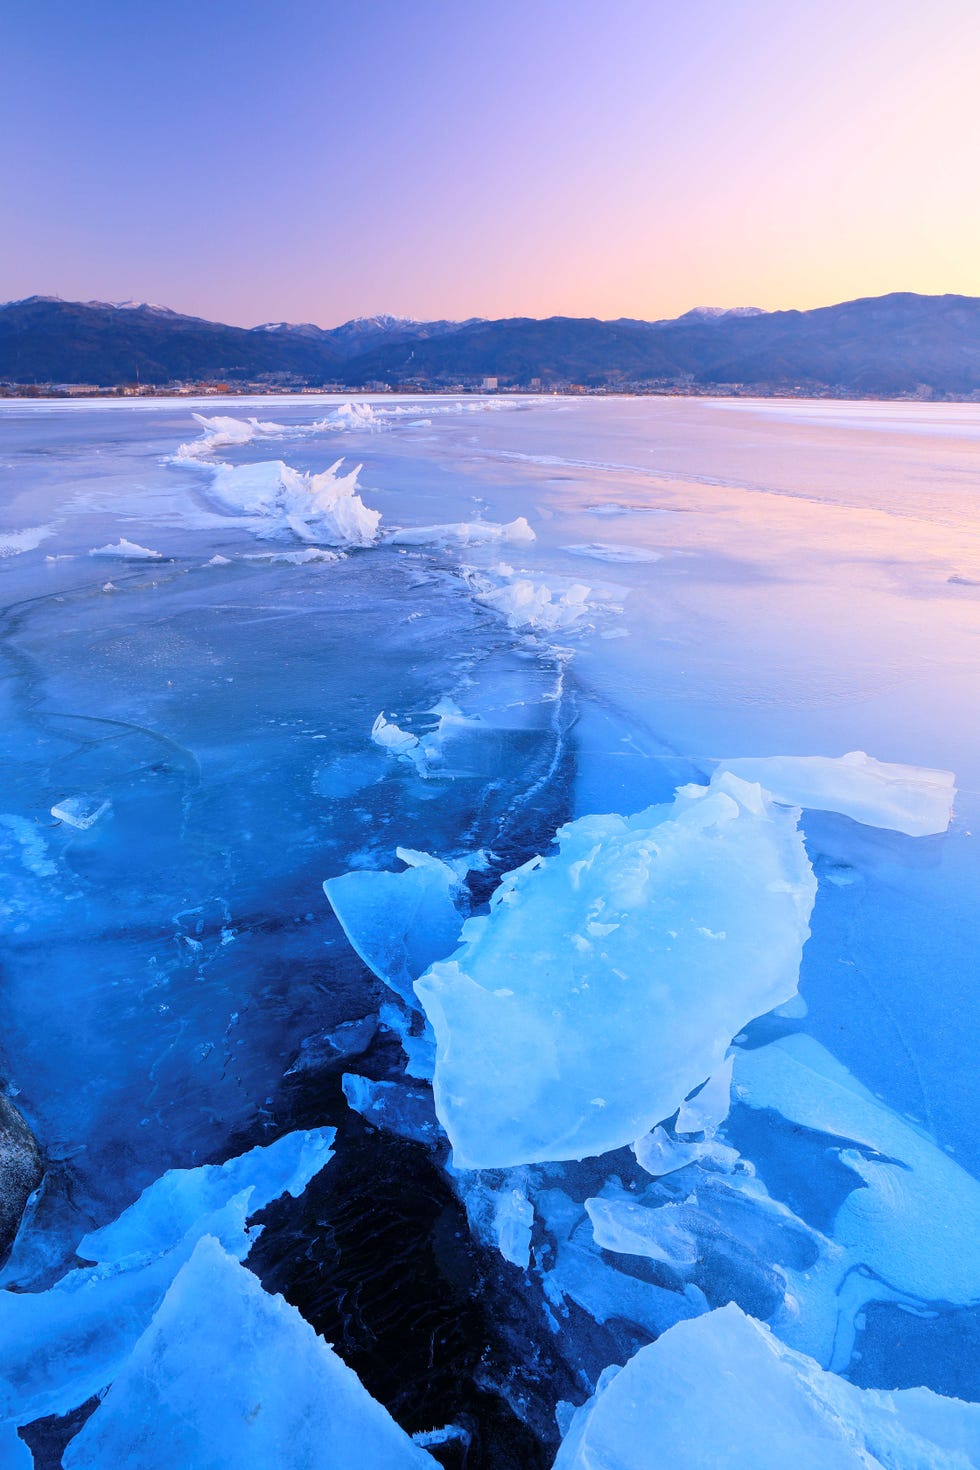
315 162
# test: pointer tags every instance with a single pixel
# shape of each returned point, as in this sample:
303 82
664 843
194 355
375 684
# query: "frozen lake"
569 607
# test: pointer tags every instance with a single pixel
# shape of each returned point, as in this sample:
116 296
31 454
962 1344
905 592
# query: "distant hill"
883 346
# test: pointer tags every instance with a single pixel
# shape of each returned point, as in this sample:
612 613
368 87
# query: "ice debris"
59 1347
349 1039
80 811
909 799
276 1393
527 605
127 551
399 922
721 1390
608 979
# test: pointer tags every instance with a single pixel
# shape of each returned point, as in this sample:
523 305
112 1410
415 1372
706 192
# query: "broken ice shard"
399 922
909 799
229 1377
721 1390
58 1347
608 979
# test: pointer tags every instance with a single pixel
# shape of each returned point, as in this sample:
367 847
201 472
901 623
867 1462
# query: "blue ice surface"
211 707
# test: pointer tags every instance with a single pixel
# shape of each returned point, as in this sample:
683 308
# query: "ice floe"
608 979
721 1390
127 551
909 799
276 1393
80 811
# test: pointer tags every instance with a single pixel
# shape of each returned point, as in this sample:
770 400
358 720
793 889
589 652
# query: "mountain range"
884 346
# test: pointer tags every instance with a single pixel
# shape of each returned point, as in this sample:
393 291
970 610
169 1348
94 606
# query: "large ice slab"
721 1390
229 1377
607 980
909 799
399 922
60 1346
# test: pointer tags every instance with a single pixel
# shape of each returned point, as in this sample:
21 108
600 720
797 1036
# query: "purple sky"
316 161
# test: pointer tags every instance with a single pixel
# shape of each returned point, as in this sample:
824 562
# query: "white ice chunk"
915 1223
397 742
574 1270
301 558
909 799
464 533
127 550
229 1377
58 1347
597 993
324 507
80 811
224 432
399 922
721 1390
513 1219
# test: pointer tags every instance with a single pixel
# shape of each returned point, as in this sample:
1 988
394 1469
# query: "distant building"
489 385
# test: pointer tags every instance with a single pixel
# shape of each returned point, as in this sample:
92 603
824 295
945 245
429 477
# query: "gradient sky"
311 161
